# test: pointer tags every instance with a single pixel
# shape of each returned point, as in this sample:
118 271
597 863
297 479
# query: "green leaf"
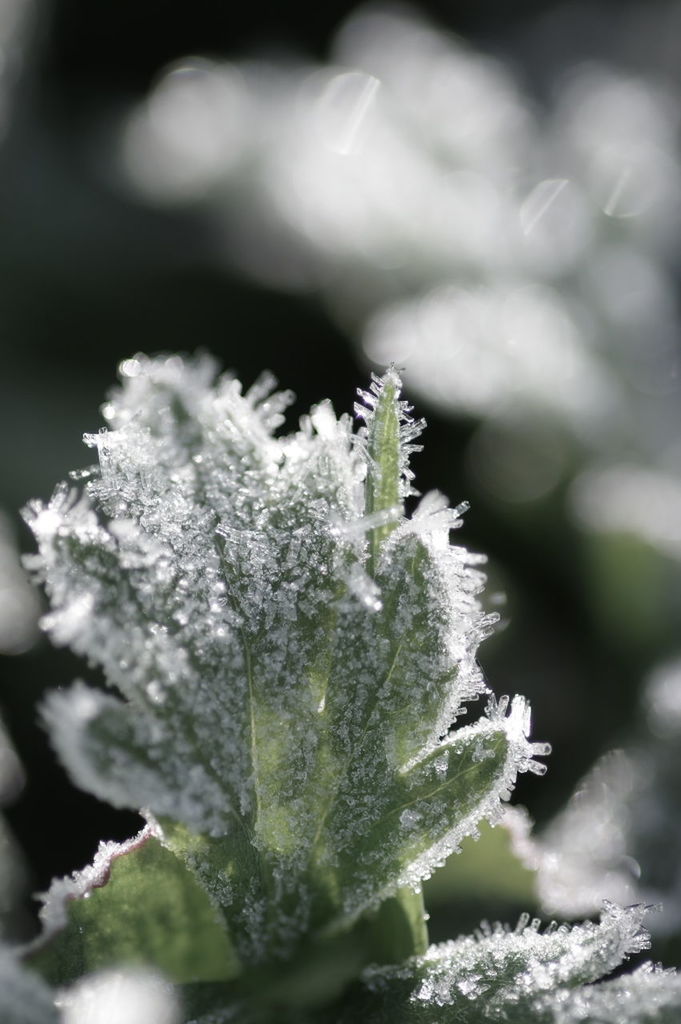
142 907
383 493
411 820
389 432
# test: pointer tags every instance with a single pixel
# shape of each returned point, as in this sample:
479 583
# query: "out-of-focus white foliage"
19 602
11 770
451 221
16 24
619 835
12 872
120 997
489 350
649 995
271 621
584 855
24 998
631 499
13 884
531 977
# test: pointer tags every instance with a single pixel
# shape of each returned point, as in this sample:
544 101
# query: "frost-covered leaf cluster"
288 649
288 652
526 976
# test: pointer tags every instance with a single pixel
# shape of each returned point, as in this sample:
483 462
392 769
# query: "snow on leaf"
289 649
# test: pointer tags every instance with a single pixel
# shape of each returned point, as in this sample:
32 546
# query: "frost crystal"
289 649
525 976
53 913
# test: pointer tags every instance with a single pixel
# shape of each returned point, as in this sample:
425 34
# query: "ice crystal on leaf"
526 976
287 649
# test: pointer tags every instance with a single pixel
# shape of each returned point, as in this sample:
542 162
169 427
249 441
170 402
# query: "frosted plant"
523 976
272 619
288 651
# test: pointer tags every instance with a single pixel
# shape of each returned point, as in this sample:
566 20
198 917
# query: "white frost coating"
649 995
54 911
276 681
409 428
24 997
74 718
524 975
120 997
520 757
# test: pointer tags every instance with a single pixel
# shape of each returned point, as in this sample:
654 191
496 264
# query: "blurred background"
487 194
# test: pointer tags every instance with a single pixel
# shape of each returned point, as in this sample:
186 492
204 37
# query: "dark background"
89 275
